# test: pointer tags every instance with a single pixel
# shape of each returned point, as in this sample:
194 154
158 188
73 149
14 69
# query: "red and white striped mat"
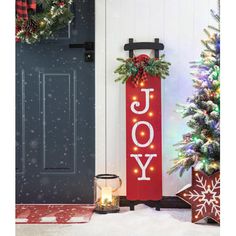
53 213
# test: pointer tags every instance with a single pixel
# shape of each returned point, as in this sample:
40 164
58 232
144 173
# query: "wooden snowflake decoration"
203 196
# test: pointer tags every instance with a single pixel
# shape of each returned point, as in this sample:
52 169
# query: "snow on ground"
144 221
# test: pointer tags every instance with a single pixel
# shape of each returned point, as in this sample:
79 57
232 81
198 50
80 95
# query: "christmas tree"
201 146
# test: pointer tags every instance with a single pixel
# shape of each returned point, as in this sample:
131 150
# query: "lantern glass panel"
106 193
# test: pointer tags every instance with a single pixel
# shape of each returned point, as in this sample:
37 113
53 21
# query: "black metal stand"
211 221
132 205
131 46
156 204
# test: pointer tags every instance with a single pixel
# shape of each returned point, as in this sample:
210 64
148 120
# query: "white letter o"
151 134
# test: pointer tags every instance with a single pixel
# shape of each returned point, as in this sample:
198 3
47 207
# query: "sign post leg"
131 205
158 205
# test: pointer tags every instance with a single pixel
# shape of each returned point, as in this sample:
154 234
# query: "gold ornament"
42 23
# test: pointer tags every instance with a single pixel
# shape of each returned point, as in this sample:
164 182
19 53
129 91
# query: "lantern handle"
120 182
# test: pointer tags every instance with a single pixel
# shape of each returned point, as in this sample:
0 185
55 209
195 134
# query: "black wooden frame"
131 46
165 202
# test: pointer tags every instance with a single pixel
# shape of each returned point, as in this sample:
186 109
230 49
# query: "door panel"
55 116
59 122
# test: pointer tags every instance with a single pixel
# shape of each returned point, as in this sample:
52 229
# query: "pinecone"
18 28
30 25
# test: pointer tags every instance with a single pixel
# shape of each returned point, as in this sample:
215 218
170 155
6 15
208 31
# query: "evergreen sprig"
137 71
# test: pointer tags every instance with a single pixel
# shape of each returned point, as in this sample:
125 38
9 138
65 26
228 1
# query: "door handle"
89 50
88 46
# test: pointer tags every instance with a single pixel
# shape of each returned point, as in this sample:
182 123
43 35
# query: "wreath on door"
40 19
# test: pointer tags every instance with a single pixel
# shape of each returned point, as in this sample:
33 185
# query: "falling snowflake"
203 196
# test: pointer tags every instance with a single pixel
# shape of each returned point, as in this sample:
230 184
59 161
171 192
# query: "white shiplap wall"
179 25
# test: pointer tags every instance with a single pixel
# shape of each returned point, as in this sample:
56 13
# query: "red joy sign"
144 140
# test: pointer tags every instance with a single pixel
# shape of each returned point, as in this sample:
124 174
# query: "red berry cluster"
61 4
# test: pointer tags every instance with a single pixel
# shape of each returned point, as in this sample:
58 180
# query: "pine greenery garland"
56 15
137 71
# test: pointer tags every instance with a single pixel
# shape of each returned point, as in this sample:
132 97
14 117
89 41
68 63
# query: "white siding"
179 25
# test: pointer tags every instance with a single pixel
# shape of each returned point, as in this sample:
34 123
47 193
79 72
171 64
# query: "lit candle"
106 195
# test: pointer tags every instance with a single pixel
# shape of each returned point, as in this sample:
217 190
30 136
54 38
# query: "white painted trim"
100 88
